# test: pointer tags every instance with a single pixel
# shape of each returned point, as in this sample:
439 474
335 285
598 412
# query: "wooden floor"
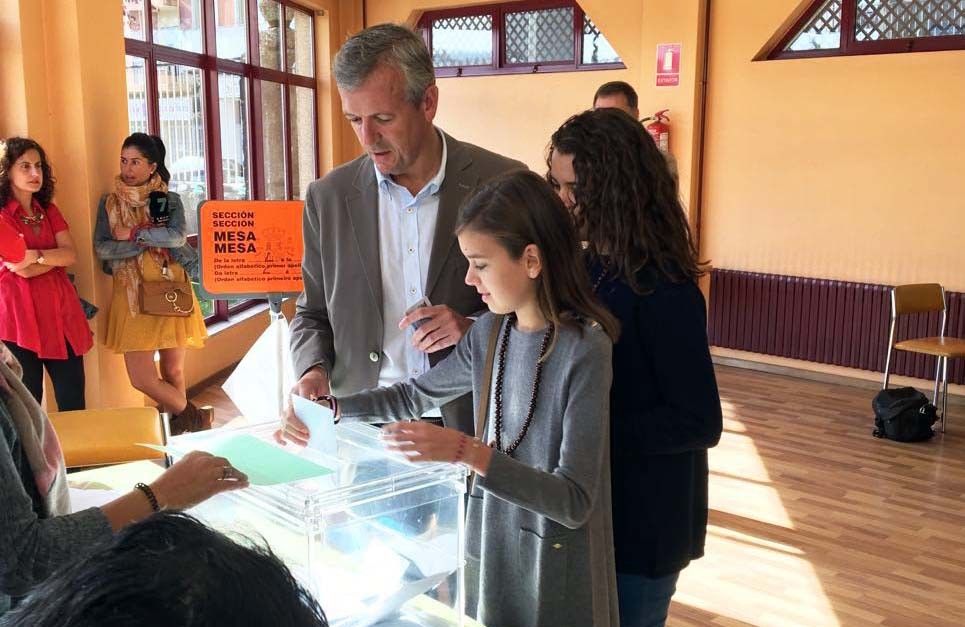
813 522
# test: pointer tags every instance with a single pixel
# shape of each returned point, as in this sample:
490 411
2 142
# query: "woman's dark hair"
518 208
151 148
11 150
628 208
171 569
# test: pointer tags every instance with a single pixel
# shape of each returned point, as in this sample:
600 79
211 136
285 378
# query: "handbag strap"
483 410
165 274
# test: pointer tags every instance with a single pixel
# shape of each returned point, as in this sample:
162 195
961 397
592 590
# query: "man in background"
620 95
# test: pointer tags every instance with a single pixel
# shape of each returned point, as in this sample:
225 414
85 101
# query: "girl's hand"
425 442
196 477
122 233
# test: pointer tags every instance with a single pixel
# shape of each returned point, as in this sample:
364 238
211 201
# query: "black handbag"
903 415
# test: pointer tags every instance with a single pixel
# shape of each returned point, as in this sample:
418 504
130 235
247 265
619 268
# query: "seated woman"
38 534
171 570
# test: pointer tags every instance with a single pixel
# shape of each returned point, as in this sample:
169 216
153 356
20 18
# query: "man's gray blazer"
338 317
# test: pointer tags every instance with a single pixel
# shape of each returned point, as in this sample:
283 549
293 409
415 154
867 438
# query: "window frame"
850 46
499 65
253 74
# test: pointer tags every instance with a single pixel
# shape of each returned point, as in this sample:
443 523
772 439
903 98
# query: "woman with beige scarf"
38 532
140 236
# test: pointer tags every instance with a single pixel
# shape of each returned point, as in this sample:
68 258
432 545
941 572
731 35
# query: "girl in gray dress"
539 528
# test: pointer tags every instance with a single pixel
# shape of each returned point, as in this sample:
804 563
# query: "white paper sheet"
391 604
429 556
260 383
375 568
320 421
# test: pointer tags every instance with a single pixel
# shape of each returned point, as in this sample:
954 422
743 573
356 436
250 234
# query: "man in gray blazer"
378 231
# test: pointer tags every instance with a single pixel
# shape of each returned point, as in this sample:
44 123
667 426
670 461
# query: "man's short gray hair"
385 44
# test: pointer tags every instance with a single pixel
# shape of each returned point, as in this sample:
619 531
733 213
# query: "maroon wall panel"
830 322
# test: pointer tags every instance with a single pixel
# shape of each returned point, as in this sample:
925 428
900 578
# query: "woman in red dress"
41 320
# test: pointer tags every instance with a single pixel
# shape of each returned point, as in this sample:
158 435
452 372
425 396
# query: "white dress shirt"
407 225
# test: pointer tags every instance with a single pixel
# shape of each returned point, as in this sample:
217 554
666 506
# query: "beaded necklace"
603 272
498 393
31 220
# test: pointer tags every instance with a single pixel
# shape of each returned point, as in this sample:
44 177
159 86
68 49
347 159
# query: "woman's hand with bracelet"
426 442
196 477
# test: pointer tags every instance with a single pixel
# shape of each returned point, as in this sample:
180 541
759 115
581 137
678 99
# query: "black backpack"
903 415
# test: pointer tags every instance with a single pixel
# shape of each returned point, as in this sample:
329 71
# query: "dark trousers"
66 374
645 602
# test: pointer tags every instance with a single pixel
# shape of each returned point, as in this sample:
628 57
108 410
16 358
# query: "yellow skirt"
127 332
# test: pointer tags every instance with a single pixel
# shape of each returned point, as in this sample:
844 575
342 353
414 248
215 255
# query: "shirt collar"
13 205
434 183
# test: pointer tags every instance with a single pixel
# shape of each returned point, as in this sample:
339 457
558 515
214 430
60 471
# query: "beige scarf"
127 207
37 437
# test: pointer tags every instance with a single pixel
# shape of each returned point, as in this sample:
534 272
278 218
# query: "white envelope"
320 421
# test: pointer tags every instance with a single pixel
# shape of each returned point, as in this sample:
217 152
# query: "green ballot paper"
263 463
266 464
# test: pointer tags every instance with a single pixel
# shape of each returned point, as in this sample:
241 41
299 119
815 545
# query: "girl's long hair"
518 208
11 150
627 206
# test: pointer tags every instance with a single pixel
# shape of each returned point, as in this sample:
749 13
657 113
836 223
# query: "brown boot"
192 419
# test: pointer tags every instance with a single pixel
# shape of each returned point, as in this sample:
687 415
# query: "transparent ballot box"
377 539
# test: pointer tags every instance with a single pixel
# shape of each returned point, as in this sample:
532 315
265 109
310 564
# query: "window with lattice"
904 19
461 41
509 38
822 31
596 48
539 36
848 27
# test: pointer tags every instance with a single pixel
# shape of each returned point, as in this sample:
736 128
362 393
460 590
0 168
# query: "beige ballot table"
378 540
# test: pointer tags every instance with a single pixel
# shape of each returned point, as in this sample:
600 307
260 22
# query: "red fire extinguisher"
659 129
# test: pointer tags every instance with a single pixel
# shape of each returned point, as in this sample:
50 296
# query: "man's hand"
314 383
441 327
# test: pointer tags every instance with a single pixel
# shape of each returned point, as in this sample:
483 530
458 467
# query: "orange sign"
250 248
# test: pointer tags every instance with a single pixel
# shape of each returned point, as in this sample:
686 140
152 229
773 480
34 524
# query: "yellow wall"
846 168
515 115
